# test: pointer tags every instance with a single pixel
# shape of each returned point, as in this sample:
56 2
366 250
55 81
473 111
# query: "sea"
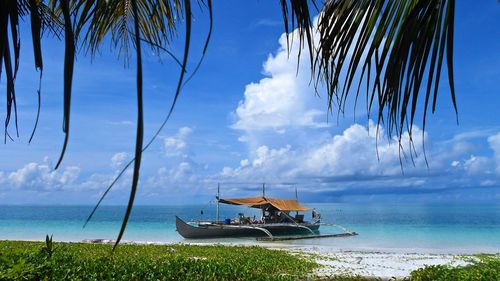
408 228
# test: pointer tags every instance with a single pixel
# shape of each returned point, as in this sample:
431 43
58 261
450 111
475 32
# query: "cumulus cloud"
282 99
494 142
118 159
277 109
184 172
352 153
41 177
176 145
477 165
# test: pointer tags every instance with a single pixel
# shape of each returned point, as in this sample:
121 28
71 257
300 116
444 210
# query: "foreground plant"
487 268
76 261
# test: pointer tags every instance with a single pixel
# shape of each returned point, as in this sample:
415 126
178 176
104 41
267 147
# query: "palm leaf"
180 85
140 126
69 60
393 45
36 35
9 15
97 19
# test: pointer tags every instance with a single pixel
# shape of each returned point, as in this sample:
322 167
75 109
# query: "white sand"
379 264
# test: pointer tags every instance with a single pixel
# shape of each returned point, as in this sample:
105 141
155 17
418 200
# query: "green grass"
80 261
486 269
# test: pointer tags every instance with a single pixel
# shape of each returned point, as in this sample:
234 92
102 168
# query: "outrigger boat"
276 222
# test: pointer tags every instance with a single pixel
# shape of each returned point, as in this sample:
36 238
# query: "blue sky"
247 118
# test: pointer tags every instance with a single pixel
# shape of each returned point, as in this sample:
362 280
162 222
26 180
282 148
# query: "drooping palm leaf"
297 17
207 41
9 15
69 60
97 19
180 85
388 44
140 125
36 36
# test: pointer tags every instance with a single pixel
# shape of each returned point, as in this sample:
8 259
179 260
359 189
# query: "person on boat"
243 219
316 215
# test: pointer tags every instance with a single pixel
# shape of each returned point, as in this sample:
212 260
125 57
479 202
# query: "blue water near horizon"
457 228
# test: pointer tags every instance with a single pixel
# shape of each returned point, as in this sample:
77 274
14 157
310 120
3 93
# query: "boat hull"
219 231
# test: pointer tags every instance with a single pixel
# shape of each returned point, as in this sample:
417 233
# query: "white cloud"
283 99
42 177
280 121
494 142
182 173
352 153
118 159
121 123
477 165
176 145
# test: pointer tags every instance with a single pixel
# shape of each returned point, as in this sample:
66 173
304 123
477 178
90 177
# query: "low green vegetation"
487 268
81 261
84 261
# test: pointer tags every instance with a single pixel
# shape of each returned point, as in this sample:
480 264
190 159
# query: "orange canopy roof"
259 202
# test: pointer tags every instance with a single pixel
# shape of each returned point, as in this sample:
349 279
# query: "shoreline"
320 249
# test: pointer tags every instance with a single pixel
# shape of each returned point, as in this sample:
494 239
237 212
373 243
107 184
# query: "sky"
249 116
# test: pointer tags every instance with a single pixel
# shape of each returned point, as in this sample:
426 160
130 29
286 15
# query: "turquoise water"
409 228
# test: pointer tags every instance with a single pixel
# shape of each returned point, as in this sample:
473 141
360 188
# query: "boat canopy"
261 202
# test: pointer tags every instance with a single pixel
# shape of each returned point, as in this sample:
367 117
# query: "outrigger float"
275 224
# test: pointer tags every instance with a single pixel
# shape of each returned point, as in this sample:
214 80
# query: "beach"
392 242
382 263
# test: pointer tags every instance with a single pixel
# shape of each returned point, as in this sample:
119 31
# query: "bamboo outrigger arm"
304 227
338 226
249 227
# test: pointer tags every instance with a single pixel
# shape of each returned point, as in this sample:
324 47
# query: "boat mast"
218 197
263 196
297 199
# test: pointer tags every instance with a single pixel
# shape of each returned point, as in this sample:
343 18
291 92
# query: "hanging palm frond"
69 61
97 19
9 15
394 46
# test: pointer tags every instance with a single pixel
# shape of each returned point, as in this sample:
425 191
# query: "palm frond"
95 20
140 126
36 36
69 60
394 46
9 15
297 16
